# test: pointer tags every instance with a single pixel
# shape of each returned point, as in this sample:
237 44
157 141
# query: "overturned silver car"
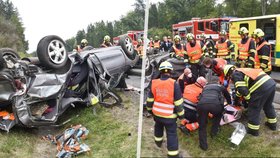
36 91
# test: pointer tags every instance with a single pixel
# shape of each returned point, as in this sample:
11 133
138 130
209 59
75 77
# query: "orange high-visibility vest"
222 48
244 50
191 93
151 44
257 60
252 73
157 44
179 51
192 126
163 91
195 52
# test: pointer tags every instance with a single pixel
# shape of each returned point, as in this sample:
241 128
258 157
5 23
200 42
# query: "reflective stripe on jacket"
179 51
244 50
258 57
222 48
195 52
163 91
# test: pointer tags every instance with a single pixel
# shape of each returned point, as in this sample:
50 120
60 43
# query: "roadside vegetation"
112 132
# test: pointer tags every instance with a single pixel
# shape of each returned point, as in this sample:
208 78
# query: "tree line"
161 17
11 28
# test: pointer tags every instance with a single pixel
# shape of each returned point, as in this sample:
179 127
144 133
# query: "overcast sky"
65 17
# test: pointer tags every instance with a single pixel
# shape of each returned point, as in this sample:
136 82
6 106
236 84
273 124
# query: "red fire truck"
210 27
134 35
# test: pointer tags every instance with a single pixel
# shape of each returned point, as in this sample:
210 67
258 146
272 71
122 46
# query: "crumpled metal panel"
46 85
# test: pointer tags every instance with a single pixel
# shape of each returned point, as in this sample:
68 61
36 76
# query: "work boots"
158 143
252 132
271 126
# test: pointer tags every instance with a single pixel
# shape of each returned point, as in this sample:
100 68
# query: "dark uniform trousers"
262 98
197 69
203 110
170 126
190 115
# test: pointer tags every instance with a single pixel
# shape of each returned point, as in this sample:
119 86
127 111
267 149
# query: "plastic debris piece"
238 134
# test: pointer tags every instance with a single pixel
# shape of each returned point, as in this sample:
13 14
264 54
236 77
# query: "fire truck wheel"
127 46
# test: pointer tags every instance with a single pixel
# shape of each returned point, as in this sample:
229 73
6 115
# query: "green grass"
265 145
111 134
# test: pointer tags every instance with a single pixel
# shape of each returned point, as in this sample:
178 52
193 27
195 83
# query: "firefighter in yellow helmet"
82 45
263 56
177 50
258 90
195 54
156 44
106 42
246 49
225 48
208 45
165 103
139 47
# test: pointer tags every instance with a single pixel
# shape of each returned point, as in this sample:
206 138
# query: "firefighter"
207 44
246 50
195 54
263 56
139 49
151 43
106 42
217 66
80 47
185 79
156 44
225 48
165 103
258 89
177 50
211 101
191 95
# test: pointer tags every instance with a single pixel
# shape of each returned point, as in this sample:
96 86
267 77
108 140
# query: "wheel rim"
57 52
128 44
147 63
7 54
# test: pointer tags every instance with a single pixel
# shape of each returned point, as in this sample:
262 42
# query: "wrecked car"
35 91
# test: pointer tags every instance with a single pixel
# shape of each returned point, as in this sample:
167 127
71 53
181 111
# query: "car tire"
51 52
127 45
9 52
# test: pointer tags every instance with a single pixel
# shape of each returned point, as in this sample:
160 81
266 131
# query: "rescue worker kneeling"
185 79
190 95
165 103
258 89
211 101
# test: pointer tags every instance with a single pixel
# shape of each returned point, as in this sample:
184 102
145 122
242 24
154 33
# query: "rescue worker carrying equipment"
211 101
225 48
164 101
191 95
177 50
195 54
185 79
106 42
263 55
246 50
258 89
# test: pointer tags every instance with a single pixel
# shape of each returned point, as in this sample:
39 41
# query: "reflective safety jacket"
151 44
248 80
179 52
157 44
162 96
194 53
190 95
263 57
222 48
244 50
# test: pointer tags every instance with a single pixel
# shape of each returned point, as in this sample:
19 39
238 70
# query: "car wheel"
6 52
51 52
148 66
127 45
